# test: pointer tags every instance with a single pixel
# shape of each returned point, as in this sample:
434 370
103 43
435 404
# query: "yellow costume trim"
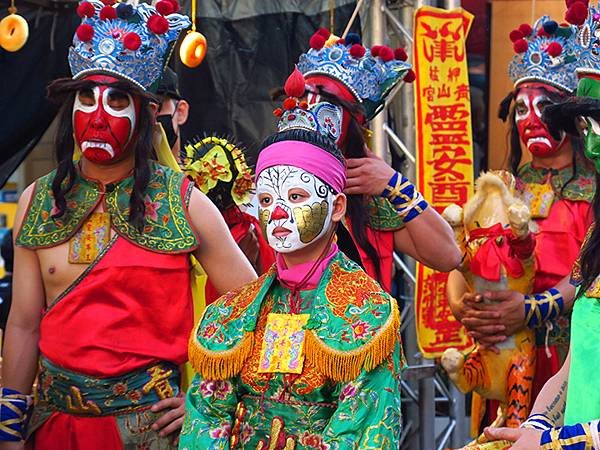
219 365
343 366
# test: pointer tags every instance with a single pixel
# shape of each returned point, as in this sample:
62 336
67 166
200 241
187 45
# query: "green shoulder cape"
353 325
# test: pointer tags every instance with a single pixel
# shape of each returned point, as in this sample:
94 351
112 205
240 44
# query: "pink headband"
305 156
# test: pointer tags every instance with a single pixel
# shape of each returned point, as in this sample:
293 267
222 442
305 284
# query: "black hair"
505 112
7 250
63 91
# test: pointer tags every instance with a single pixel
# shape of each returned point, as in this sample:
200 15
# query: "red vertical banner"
444 155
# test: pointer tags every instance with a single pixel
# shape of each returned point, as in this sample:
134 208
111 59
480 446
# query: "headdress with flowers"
124 40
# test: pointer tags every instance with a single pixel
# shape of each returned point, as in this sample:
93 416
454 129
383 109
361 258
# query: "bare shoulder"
203 213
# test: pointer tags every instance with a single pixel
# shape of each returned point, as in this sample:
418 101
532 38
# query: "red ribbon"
494 253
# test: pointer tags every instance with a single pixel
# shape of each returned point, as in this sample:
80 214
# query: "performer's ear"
153 109
339 207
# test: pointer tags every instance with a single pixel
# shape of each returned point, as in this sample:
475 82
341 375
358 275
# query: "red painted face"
529 105
104 120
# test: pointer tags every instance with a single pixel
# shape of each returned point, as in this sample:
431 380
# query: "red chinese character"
445 192
462 91
455 111
453 73
444 166
434 73
443 43
443 91
428 93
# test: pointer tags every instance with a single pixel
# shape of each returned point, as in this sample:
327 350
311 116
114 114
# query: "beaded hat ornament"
546 53
587 20
125 40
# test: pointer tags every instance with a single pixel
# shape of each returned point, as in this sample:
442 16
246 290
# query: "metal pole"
460 435
427 412
378 37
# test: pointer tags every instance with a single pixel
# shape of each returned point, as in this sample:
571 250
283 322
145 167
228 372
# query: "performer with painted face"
557 185
102 302
567 412
385 210
309 355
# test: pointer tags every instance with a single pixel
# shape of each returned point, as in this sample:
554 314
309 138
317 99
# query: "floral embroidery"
313 441
218 389
349 391
210 330
120 388
359 329
223 431
246 433
151 209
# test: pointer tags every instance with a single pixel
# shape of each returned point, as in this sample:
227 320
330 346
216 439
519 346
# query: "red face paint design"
104 120
530 103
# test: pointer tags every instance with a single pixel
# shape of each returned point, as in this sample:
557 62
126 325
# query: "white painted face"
295 207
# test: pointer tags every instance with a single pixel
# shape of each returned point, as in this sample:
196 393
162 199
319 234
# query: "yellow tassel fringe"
220 365
343 366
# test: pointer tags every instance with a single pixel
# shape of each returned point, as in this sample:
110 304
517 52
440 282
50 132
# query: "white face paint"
295 207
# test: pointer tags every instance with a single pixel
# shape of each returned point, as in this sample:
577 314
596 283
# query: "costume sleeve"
572 437
209 412
368 412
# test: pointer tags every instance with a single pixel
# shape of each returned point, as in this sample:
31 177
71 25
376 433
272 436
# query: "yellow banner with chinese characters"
444 155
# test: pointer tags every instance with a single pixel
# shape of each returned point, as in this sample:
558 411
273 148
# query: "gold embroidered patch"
283 344
91 239
539 198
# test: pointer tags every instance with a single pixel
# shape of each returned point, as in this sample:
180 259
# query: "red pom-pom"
109 2
375 50
86 9
108 12
295 84
400 54
386 53
554 49
410 76
132 41
174 4
289 103
157 24
577 13
341 41
515 35
323 32
164 7
520 46
303 105
526 29
542 33
85 32
316 42
278 112
570 3
357 51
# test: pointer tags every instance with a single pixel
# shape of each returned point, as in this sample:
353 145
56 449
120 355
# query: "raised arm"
219 255
426 236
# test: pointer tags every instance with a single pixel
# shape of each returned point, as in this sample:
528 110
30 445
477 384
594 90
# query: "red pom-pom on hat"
108 12
386 54
86 9
303 105
515 35
316 42
341 41
290 103
85 32
577 13
400 54
542 33
323 32
175 5
295 85
278 112
109 2
570 3
375 50
520 46
554 49
410 76
526 29
157 24
164 7
357 51
132 41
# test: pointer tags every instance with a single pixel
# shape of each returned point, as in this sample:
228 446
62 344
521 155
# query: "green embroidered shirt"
166 225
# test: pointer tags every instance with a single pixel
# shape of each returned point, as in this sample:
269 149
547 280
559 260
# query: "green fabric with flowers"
347 310
383 216
166 226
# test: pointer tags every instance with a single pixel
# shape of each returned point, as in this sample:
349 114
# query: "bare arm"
225 264
552 398
430 240
20 355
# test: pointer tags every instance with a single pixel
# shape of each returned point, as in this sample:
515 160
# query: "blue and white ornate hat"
368 74
322 117
546 53
127 41
587 20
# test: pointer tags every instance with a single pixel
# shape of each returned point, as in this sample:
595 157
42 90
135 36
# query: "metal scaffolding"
434 410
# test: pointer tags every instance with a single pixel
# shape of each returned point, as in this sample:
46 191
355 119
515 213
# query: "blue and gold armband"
538 422
579 436
404 197
13 414
539 308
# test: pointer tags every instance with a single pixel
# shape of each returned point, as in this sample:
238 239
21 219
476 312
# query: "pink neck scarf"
291 277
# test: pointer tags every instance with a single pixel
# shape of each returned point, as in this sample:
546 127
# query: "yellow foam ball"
14 32
193 49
